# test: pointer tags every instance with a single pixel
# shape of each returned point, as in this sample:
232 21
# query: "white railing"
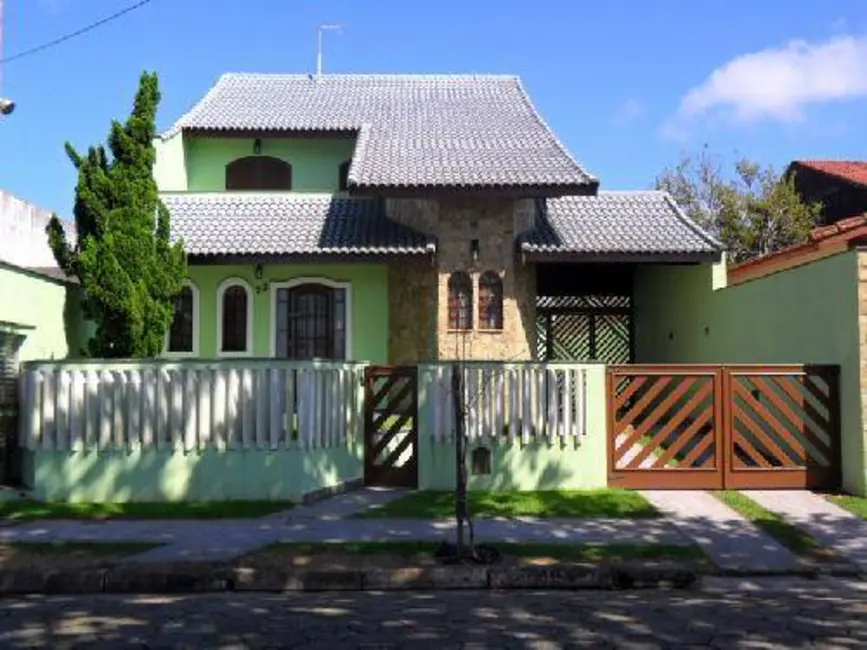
508 402
252 404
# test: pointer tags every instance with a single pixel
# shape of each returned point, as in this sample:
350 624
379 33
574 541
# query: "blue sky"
627 85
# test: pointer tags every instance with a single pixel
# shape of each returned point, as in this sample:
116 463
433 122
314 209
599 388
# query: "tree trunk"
460 475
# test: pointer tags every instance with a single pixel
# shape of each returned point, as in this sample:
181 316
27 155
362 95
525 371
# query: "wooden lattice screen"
584 328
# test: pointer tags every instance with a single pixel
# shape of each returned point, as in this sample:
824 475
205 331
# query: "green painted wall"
210 475
170 163
315 162
369 309
808 314
50 311
580 464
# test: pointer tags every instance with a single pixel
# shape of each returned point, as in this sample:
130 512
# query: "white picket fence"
222 405
506 402
271 404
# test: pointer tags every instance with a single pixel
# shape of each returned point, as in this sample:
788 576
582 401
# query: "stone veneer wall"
418 297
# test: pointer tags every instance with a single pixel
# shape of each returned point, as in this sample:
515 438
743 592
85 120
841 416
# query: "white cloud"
630 110
779 83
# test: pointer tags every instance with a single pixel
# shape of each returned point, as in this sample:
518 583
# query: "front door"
391 426
311 322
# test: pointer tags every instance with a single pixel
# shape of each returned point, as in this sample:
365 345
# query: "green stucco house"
398 219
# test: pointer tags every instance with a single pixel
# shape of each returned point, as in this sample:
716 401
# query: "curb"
192 578
187 579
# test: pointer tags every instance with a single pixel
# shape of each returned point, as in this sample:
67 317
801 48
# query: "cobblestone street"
792 615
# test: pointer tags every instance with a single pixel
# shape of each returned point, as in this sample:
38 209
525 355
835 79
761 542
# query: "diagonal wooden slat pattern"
715 427
660 419
391 426
782 421
584 328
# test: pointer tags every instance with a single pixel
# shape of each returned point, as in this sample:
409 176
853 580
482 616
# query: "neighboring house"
839 185
39 308
399 219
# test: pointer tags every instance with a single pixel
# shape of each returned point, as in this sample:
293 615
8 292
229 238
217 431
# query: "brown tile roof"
823 242
854 171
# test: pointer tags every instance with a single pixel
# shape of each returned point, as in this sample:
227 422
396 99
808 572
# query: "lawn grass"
790 536
554 503
855 505
568 552
26 510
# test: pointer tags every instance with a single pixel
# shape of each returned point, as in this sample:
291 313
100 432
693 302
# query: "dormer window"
258 173
343 176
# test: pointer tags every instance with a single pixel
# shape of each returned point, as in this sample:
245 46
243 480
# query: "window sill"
490 331
466 331
234 355
181 355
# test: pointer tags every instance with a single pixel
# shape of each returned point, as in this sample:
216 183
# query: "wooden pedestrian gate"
391 426
718 427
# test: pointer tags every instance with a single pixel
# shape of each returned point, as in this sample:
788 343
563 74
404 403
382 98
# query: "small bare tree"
462 403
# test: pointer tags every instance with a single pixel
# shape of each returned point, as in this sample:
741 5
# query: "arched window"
311 319
343 176
183 333
258 173
490 301
460 301
234 316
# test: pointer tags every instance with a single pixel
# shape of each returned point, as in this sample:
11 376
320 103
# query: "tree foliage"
128 268
754 211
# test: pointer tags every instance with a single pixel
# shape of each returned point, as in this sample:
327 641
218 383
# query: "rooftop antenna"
321 29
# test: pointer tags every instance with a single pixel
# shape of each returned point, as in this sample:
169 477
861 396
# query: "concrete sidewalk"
331 521
827 523
697 517
727 537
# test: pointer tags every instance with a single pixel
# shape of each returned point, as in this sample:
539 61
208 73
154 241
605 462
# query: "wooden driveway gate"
391 426
717 427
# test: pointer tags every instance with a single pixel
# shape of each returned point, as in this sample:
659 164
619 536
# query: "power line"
78 32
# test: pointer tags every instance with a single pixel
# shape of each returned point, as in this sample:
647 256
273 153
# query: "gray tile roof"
289 224
414 131
628 224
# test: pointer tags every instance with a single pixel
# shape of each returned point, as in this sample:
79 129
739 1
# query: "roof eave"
620 257
326 257
232 132
552 190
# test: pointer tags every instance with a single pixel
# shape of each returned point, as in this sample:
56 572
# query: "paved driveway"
797 615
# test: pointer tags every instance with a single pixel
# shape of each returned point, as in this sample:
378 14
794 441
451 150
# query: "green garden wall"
539 465
369 308
48 312
208 475
808 314
315 162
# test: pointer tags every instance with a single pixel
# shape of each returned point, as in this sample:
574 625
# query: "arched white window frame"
221 291
288 284
195 350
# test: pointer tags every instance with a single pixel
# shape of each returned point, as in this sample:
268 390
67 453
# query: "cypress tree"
128 269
